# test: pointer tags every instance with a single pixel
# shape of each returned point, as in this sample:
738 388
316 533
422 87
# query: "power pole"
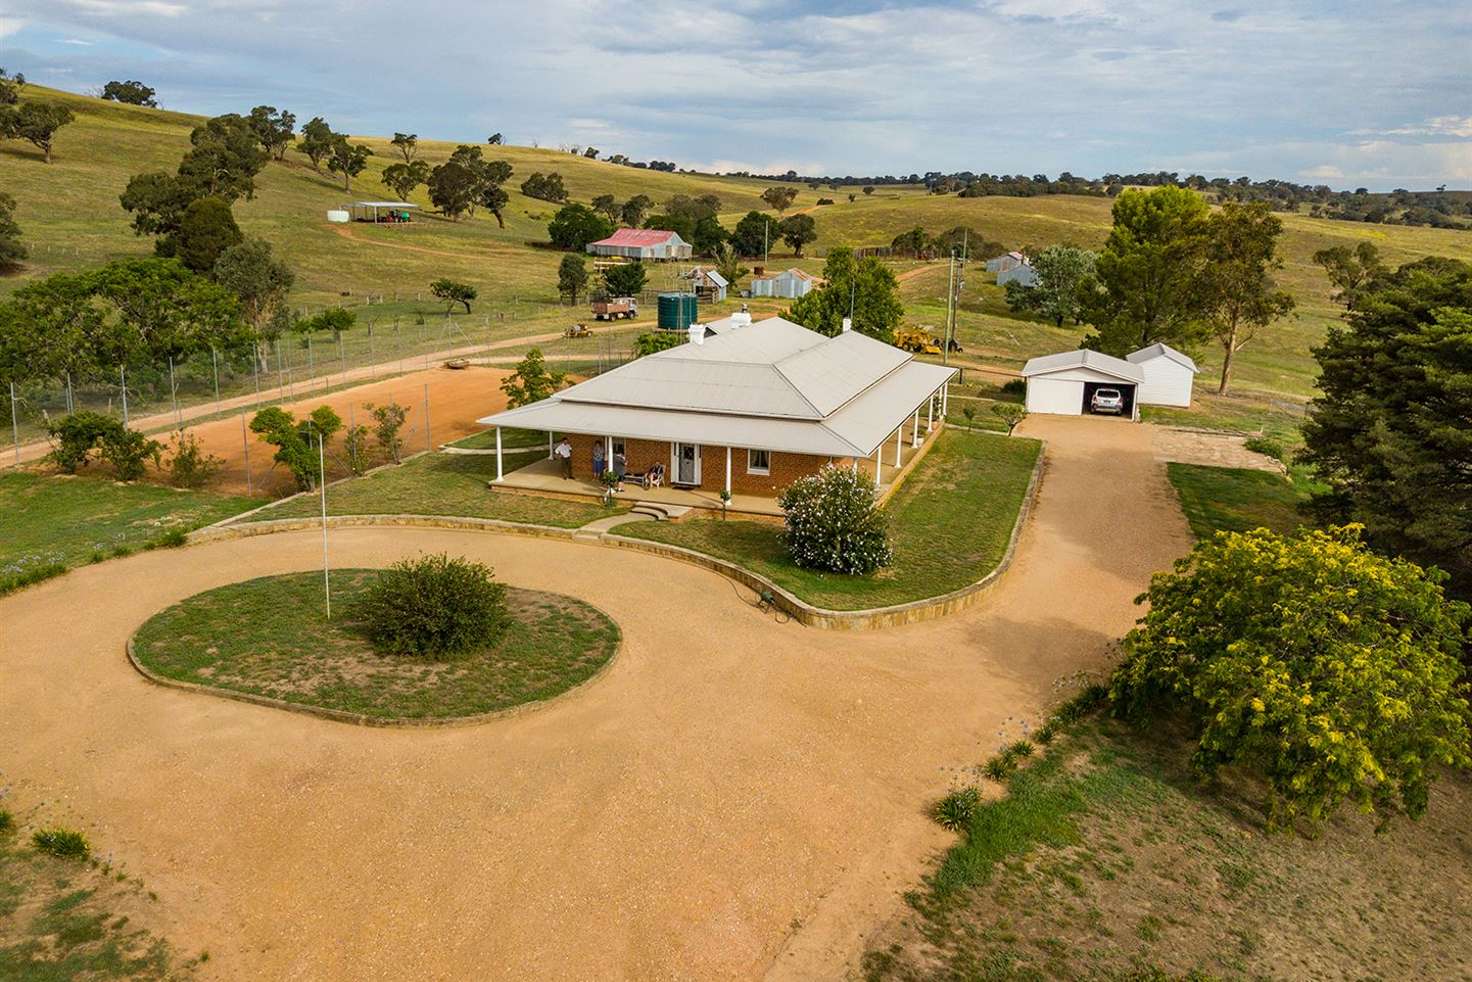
945 345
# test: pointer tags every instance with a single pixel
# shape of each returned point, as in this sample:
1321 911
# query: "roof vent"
740 319
697 333
848 324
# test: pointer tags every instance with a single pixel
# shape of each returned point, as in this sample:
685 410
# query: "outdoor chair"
654 477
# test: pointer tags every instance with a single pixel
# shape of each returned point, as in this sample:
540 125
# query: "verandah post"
500 474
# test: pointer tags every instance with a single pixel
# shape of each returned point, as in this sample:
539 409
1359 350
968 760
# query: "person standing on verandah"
563 453
599 464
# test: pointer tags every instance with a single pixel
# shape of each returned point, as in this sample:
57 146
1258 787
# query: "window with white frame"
758 462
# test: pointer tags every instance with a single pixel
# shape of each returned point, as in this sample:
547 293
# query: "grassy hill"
71 218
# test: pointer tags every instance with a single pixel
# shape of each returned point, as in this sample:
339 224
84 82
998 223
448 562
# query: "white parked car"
1107 401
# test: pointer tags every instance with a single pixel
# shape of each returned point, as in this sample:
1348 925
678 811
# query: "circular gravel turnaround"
270 637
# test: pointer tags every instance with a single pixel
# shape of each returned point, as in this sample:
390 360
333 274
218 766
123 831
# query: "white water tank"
338 215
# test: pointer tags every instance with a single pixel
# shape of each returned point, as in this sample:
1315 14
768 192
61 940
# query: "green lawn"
1233 499
949 526
270 636
510 440
441 484
68 521
1105 859
67 919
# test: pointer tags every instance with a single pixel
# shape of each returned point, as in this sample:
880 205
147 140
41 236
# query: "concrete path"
734 797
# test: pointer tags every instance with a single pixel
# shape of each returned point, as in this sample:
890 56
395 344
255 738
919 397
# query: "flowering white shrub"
834 524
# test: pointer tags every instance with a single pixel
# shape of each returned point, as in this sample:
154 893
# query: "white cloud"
78 42
1459 126
1323 172
10 25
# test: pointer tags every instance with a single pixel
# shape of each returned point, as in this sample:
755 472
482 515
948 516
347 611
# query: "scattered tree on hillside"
1149 271
12 251
35 122
274 128
865 286
452 189
205 232
852 198
494 139
1388 433
133 93
260 283
635 210
407 144
751 235
316 141
1240 297
868 189
1328 671
575 225
226 156
333 320
10 86
402 179
532 381
572 277
453 292
779 198
797 231
1349 270
625 279
1064 288
607 206
591 153
545 187
347 159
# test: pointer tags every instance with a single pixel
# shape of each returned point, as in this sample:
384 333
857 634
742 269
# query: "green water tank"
677 311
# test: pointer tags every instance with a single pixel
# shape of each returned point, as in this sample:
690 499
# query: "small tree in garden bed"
532 381
1329 672
433 607
1010 413
388 420
76 435
833 522
191 466
296 440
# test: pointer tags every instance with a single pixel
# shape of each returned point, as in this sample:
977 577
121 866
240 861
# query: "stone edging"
807 614
217 533
358 719
854 620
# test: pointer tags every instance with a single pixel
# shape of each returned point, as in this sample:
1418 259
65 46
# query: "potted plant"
725 502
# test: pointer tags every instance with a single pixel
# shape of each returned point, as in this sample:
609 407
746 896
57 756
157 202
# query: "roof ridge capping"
1162 350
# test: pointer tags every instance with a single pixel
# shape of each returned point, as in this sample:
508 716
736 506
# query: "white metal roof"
856 430
385 204
1161 350
1084 358
772 386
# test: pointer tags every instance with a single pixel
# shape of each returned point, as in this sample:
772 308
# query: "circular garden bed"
270 639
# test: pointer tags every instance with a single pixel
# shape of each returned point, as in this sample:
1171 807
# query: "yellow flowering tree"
1329 671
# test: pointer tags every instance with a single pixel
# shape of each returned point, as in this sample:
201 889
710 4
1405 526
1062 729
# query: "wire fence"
385 341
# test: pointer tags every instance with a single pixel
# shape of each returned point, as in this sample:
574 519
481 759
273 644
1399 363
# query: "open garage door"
1126 392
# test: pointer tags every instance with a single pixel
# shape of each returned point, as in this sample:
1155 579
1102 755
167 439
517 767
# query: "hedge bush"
833 522
433 607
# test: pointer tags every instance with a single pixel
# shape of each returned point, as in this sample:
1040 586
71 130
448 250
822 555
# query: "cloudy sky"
1344 93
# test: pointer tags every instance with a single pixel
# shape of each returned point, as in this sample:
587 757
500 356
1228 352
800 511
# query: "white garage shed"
1169 375
1064 384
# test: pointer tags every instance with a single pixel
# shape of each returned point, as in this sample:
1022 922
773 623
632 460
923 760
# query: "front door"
687 463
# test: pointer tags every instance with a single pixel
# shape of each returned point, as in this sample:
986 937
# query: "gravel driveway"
734 797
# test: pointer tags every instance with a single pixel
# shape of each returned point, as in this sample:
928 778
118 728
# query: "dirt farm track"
734 798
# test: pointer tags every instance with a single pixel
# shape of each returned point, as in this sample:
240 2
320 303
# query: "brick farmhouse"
746 408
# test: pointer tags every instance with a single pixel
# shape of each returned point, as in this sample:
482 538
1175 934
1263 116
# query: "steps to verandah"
596 528
658 510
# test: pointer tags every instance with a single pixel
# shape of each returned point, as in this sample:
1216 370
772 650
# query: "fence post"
215 368
255 369
71 405
311 362
14 423
174 394
245 443
428 439
343 357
